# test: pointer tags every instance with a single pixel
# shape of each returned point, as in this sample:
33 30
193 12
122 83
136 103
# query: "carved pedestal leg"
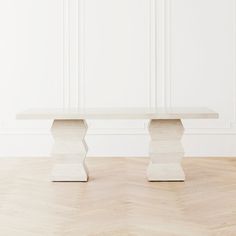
69 150
166 151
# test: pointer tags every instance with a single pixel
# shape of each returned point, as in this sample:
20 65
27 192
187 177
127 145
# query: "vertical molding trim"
66 54
167 52
81 53
152 73
77 51
71 36
160 39
233 123
64 26
163 85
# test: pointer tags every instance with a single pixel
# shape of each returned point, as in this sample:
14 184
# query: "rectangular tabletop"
119 113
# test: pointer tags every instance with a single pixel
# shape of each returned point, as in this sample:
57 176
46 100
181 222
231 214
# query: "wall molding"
159 74
82 58
71 51
160 79
66 54
151 72
228 125
152 27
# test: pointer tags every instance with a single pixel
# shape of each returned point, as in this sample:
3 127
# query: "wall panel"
114 53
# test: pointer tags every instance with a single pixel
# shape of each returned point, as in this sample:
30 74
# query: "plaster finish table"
165 128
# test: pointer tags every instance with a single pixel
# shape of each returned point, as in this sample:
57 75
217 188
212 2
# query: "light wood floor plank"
118 200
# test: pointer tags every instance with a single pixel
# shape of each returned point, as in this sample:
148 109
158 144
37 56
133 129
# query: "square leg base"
165 172
69 173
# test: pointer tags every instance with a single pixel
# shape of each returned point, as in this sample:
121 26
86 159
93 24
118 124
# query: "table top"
119 113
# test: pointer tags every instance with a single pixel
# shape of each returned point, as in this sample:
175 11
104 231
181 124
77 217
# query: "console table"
165 128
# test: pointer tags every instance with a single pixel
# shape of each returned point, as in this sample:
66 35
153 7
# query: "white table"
165 128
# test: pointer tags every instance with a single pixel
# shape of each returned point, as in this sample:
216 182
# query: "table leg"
69 150
166 151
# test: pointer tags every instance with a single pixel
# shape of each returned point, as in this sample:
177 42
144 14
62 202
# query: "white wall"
132 53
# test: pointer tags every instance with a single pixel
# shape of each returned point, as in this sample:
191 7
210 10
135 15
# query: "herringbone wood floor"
118 200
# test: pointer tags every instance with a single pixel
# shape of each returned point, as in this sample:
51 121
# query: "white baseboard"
128 145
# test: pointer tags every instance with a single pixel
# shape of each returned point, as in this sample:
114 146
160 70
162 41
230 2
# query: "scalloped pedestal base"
166 151
69 151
